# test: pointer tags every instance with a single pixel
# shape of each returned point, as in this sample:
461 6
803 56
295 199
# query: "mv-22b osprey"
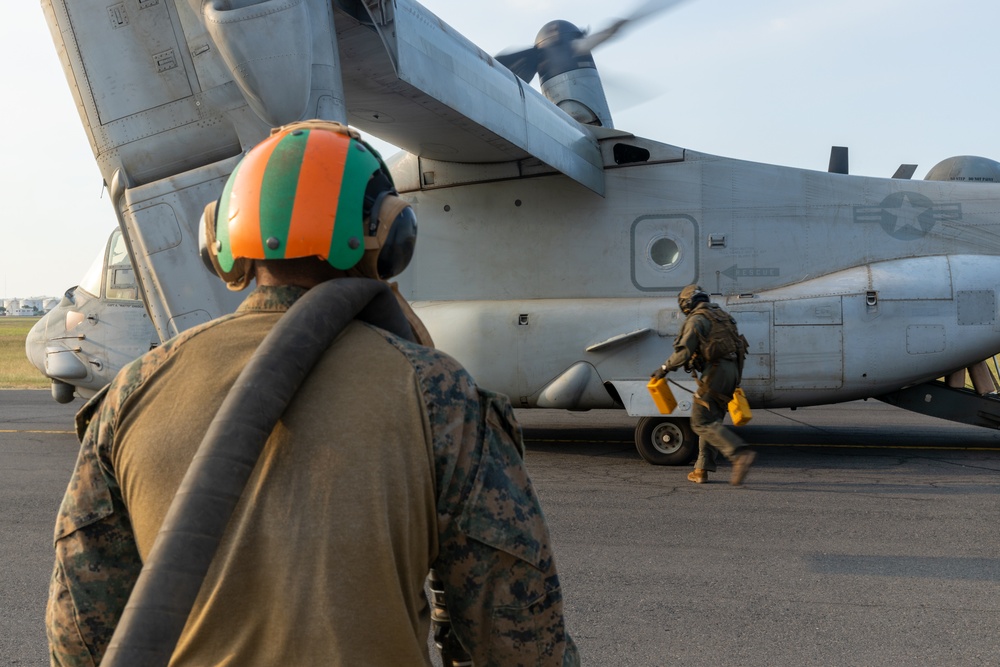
552 245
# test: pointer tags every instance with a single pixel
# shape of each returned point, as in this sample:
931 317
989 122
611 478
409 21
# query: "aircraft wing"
411 80
173 92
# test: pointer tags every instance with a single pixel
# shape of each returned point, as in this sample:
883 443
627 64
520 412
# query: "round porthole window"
665 253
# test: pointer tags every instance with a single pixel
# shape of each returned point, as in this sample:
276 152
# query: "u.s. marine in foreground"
388 461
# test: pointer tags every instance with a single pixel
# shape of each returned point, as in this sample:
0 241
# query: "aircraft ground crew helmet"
312 188
690 297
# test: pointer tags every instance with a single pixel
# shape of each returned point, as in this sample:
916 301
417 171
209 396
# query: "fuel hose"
192 529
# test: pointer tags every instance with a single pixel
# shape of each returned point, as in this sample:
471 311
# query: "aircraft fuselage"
846 286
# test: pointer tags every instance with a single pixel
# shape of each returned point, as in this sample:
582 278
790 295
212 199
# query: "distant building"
29 307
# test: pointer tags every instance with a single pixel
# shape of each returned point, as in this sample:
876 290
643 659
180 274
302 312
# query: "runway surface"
864 535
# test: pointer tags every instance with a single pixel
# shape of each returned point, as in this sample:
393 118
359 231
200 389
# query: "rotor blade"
523 64
588 43
625 90
905 171
649 8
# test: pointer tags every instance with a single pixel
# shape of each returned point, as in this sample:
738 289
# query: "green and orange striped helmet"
298 193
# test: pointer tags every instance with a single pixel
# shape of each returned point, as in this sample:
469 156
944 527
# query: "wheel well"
613 393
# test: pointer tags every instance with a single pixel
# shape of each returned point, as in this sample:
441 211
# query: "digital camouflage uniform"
337 578
719 378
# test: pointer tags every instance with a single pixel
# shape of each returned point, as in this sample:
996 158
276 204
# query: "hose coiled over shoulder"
172 575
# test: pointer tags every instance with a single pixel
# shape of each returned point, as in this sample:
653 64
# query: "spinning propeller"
560 42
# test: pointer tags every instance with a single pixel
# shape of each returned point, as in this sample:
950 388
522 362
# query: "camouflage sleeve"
96 560
495 556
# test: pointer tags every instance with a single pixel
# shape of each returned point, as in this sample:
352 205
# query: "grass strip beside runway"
16 372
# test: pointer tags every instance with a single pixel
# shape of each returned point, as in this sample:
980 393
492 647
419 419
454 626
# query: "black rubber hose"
172 575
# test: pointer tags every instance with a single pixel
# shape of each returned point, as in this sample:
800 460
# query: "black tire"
665 442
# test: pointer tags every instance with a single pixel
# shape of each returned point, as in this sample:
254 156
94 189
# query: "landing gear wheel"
665 442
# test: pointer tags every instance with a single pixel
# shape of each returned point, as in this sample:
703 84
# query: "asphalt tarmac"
864 535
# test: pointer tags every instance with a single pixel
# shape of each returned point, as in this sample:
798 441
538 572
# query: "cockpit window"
91 282
121 283
119 253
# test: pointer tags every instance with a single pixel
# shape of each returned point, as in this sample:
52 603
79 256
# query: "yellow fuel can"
739 408
662 396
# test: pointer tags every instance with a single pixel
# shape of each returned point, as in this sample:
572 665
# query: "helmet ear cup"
392 236
209 246
206 238
397 249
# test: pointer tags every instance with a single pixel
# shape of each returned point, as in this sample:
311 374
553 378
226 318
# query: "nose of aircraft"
34 343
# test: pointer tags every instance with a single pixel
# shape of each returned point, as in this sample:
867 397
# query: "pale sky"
780 81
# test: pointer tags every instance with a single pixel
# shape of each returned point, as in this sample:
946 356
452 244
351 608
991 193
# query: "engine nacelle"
566 71
569 78
965 168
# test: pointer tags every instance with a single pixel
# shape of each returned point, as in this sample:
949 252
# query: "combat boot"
698 476
741 464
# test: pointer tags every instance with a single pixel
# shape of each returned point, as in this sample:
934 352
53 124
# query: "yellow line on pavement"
943 448
589 440
12 430
785 445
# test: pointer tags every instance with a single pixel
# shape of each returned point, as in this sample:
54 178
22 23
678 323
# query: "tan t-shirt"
344 485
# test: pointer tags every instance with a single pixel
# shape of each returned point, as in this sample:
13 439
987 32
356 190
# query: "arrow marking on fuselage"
734 272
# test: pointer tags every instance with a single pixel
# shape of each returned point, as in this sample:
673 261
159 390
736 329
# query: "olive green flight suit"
717 383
